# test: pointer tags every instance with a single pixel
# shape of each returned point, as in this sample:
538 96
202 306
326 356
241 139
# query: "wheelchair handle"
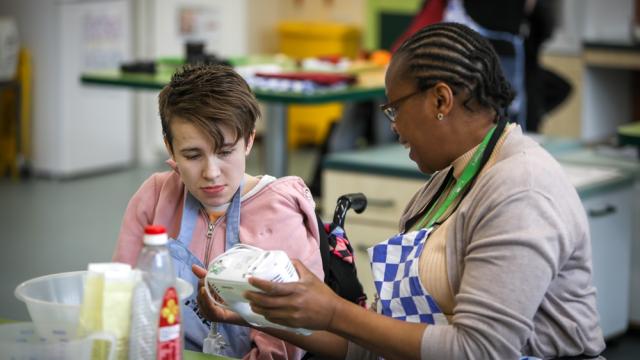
357 201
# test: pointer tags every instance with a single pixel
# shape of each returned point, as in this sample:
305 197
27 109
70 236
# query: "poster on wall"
199 24
103 39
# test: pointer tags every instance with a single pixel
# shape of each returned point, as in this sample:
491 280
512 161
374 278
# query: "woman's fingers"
205 302
272 288
280 309
302 270
269 300
282 289
212 311
205 305
306 303
199 271
261 284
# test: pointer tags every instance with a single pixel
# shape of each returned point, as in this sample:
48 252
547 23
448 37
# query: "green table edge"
402 172
629 134
584 192
157 82
598 188
140 81
352 162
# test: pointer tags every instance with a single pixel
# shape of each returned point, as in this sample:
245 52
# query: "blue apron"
196 327
394 264
513 67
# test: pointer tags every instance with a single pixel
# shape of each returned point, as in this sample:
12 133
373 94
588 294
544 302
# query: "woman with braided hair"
493 257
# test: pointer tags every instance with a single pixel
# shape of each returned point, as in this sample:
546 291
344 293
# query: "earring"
440 116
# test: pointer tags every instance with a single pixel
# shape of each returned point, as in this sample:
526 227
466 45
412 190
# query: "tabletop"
629 134
157 81
188 355
612 56
589 176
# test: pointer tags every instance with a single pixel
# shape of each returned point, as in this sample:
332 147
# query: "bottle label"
169 340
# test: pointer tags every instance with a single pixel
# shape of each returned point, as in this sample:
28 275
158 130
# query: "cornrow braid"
454 54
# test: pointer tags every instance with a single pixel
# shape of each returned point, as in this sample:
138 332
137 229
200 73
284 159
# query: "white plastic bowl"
53 301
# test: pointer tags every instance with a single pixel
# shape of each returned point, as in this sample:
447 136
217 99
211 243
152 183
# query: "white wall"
608 21
73 131
226 33
591 20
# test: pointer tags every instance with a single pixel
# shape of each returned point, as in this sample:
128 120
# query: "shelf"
617 56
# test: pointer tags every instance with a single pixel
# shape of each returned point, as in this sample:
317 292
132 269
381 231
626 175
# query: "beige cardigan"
518 262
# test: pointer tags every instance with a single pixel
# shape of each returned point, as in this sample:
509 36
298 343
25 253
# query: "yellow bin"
309 124
300 39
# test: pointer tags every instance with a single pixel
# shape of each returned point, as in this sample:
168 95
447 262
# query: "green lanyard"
466 177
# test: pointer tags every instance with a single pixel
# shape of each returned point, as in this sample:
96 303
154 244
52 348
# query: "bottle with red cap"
156 322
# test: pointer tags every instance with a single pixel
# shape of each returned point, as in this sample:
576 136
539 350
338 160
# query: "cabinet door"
635 257
387 196
610 225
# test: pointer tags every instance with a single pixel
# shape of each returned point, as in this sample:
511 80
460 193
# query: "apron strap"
188 222
232 235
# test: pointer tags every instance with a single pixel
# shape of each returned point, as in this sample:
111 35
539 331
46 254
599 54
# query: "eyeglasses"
390 109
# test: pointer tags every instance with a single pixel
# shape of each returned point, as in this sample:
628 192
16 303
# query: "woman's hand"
208 308
307 303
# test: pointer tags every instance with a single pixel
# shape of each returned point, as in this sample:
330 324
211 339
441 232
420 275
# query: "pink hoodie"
279 217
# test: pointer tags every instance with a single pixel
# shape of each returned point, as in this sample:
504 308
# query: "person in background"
499 21
545 89
493 255
208 203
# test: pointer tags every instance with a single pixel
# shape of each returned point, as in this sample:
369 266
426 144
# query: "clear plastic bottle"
156 329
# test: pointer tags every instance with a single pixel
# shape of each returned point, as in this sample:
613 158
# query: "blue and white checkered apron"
394 264
401 295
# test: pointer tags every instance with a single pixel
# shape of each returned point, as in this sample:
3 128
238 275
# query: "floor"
42 219
625 347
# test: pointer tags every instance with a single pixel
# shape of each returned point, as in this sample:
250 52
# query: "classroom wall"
345 11
264 17
242 26
582 21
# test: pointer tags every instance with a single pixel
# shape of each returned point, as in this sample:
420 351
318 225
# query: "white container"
53 301
228 276
20 341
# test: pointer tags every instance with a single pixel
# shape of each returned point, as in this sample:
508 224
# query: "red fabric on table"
317 77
